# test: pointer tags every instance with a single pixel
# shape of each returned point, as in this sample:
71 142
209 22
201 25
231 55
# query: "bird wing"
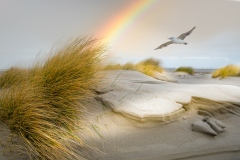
164 45
184 35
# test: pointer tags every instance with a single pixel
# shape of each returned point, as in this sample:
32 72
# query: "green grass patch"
44 104
188 70
229 70
149 66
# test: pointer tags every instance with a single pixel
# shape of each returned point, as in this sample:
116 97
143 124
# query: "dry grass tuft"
44 104
12 76
229 70
188 70
149 66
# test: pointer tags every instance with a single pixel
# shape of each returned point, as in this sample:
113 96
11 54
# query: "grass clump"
12 76
149 66
229 70
45 105
188 70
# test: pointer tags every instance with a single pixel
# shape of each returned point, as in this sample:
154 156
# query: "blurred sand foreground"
135 116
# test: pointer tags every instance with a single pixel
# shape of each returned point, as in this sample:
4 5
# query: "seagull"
178 40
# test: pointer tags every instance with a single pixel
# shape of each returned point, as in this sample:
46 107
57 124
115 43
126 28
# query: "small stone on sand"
203 127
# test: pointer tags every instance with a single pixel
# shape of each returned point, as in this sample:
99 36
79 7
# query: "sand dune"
146 98
145 118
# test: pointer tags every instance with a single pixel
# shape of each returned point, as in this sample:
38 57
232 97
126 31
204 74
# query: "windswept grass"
12 76
229 70
149 66
188 70
44 104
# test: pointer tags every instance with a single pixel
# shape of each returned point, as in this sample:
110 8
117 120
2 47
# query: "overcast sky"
33 27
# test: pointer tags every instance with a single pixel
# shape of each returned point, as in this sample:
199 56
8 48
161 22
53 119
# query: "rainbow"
121 21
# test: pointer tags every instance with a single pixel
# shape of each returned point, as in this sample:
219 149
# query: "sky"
132 29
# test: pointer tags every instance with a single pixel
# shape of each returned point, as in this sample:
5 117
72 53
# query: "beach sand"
122 138
119 136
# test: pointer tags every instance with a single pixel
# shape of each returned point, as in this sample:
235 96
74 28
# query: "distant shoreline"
196 70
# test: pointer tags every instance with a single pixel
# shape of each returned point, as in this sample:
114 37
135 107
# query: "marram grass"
44 104
12 76
229 70
188 70
149 66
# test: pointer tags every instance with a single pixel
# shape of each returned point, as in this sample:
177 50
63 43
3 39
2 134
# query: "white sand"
143 98
120 135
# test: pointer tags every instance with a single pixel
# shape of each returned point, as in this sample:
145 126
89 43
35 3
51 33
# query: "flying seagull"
178 40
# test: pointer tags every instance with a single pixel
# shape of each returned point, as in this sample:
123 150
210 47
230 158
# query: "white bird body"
177 40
